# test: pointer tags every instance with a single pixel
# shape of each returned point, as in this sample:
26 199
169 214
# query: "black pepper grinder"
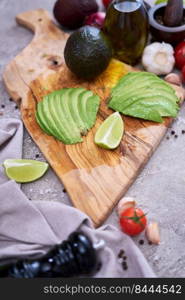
173 15
73 257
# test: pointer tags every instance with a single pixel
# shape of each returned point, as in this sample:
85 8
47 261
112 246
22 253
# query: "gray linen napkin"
29 228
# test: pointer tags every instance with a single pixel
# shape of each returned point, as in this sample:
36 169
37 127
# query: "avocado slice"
147 92
44 118
142 82
75 98
40 120
82 106
49 105
145 112
139 81
64 113
130 77
144 90
154 86
92 109
165 108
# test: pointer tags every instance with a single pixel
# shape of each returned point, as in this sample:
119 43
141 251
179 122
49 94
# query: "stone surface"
159 189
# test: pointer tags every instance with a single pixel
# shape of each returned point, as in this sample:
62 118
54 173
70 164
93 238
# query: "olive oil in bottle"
127 27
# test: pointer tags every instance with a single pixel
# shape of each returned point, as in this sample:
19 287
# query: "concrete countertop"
159 189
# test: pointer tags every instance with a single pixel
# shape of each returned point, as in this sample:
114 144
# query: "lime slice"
110 132
24 170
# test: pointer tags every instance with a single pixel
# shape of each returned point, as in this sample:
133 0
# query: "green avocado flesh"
144 95
68 114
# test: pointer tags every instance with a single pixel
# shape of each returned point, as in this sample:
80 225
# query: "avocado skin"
87 52
144 95
67 114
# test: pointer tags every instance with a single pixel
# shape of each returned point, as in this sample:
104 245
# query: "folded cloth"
31 228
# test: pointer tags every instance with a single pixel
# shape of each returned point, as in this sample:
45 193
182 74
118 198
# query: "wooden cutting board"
95 179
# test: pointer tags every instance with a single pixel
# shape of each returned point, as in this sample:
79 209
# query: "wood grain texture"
94 178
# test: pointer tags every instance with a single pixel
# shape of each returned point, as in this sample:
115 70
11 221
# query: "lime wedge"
110 132
24 170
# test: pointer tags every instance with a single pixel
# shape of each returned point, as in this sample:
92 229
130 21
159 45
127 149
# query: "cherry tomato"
106 3
180 55
133 221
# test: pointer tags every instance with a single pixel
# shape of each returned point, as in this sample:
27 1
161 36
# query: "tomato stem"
136 218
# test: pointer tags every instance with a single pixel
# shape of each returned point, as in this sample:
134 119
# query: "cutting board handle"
36 20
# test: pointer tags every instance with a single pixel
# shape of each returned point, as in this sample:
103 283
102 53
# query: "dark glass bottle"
127 27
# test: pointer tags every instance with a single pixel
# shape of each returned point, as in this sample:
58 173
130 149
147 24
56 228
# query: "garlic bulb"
158 58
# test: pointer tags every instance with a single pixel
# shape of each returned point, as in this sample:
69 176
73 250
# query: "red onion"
96 19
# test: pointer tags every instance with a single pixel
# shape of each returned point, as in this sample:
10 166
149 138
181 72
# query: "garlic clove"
152 233
173 78
124 203
180 92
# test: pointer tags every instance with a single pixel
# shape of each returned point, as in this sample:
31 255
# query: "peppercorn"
124 266
121 253
141 242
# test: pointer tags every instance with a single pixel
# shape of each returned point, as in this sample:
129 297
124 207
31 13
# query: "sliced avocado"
82 106
44 118
133 96
76 95
68 113
144 90
40 120
49 112
130 78
141 84
67 120
164 107
153 85
145 112
139 81
92 109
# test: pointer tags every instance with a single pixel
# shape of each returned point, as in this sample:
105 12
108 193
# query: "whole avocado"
87 52
72 13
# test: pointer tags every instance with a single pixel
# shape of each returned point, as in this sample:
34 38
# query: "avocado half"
68 114
87 52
